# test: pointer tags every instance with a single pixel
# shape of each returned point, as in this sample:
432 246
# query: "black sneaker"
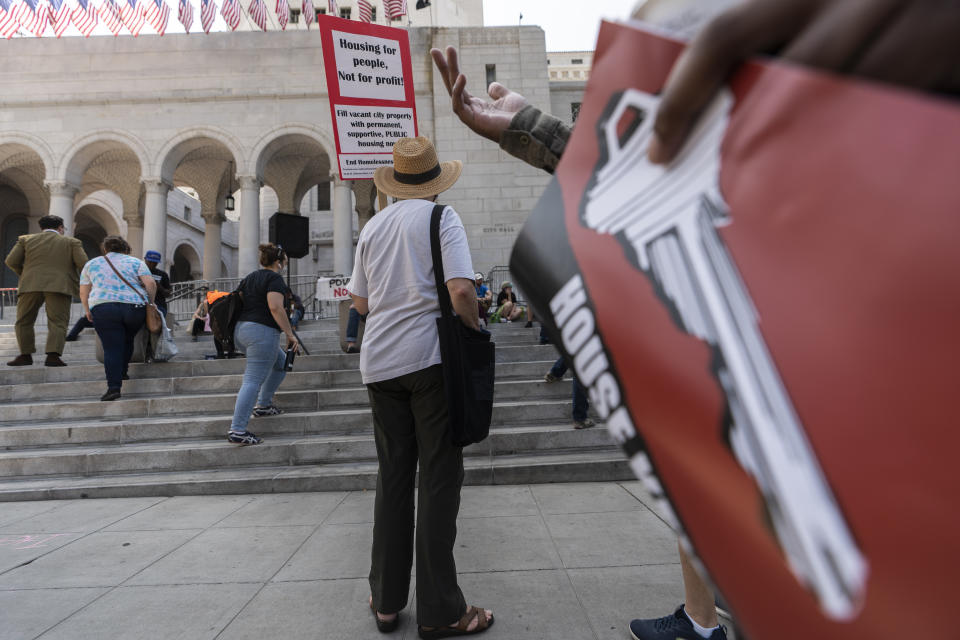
675 627
110 395
260 412
243 438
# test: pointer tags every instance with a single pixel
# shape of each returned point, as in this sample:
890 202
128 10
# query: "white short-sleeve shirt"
393 269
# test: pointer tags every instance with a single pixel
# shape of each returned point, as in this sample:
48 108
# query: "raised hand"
489 119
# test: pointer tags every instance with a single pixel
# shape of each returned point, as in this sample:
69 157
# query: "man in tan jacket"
48 264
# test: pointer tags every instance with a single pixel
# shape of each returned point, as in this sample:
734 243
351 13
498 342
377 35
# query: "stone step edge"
509 469
87 400
273 440
94 370
319 413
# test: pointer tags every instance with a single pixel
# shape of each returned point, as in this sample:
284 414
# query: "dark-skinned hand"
910 43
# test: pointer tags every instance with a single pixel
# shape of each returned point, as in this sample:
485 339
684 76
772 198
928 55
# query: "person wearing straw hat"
393 282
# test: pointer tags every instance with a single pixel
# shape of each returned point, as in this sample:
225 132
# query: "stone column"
342 226
61 203
135 235
211 244
249 223
366 194
155 219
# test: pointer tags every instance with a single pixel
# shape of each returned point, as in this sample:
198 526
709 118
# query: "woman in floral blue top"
116 308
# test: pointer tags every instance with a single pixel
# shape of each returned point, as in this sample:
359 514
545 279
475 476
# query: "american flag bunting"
208 13
131 13
258 13
84 17
8 18
364 11
59 16
157 13
185 14
230 10
34 16
332 8
309 12
395 8
283 13
110 14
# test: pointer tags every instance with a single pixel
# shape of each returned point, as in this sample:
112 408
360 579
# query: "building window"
187 213
294 16
491 73
553 74
373 14
577 61
574 111
576 73
321 12
564 74
323 196
345 13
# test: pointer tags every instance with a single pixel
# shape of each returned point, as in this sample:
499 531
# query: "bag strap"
145 301
446 307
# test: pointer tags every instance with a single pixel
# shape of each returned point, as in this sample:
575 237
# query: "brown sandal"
461 629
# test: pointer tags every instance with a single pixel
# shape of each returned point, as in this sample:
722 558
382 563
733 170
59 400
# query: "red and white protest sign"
370 84
769 328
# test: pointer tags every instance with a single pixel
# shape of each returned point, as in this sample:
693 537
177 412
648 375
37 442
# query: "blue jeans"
580 401
296 317
353 324
117 324
264 372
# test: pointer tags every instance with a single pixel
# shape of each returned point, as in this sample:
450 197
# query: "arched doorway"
13 226
89 230
186 264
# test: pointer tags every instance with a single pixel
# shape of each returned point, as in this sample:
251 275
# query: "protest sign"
370 84
769 328
333 288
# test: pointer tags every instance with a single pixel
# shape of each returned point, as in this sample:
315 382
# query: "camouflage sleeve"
535 137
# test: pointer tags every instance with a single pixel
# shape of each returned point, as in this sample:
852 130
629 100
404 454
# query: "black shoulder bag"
468 360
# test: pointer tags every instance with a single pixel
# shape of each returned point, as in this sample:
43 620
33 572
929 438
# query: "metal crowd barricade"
495 279
186 296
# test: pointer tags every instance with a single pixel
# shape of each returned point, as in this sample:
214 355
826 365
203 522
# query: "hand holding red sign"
904 42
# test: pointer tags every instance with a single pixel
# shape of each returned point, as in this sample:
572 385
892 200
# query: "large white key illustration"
669 218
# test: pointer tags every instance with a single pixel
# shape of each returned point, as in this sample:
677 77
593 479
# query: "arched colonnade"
110 181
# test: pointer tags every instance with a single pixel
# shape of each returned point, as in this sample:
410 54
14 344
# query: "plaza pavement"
572 561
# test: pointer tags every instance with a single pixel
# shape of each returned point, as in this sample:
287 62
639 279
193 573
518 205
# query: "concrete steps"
165 436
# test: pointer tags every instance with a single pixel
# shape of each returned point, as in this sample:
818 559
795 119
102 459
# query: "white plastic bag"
166 348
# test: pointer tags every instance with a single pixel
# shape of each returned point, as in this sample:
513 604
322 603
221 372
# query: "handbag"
154 321
468 360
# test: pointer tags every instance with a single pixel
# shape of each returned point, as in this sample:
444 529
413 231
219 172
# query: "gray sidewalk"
572 561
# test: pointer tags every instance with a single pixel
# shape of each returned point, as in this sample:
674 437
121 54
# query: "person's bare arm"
275 302
911 43
151 286
85 300
463 299
362 305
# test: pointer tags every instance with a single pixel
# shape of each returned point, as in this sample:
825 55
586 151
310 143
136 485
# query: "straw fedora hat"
416 172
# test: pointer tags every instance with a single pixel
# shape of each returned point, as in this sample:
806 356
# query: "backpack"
224 313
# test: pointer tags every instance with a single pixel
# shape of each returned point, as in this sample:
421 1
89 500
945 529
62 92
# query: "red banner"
769 327
370 84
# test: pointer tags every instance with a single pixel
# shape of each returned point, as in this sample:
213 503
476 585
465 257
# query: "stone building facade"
147 137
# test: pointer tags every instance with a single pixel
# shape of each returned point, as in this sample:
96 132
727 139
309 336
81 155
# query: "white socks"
702 631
